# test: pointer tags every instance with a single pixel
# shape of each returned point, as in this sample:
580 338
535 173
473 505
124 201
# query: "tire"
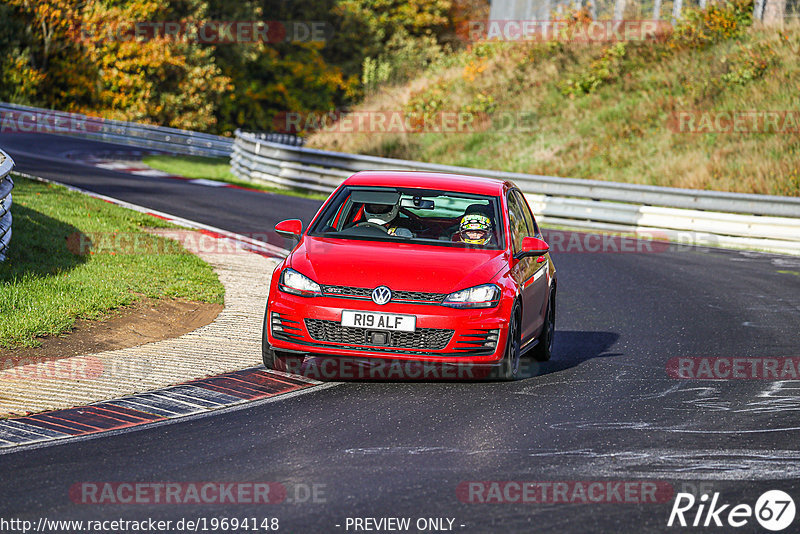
543 350
281 361
509 369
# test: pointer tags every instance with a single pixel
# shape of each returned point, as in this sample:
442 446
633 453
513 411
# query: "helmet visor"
378 209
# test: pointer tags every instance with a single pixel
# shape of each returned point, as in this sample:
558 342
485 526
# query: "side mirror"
532 246
291 229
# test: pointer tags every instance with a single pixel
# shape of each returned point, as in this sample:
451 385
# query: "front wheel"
509 369
281 361
544 349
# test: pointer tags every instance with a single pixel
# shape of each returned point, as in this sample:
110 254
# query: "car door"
541 282
526 271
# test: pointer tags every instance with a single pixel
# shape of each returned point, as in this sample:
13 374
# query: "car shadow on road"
571 348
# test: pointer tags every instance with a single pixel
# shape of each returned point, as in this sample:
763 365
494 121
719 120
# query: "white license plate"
379 321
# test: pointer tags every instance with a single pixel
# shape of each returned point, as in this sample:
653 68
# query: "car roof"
459 183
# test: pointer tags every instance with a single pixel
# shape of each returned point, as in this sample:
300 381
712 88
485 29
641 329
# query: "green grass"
216 169
45 286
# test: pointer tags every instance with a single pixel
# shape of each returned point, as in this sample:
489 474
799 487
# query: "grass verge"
219 169
45 285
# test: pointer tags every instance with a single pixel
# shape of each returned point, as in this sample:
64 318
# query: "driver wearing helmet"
385 215
475 229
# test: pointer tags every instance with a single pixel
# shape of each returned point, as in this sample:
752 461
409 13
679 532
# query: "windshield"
412 215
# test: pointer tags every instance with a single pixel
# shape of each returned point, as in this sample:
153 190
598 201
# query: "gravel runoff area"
231 342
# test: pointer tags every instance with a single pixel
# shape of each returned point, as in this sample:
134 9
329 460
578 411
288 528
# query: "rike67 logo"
774 510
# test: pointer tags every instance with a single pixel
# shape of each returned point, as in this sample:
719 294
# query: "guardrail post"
6 185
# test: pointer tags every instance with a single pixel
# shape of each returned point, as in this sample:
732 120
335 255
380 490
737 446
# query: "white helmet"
380 213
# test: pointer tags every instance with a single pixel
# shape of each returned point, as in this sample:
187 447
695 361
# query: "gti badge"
381 295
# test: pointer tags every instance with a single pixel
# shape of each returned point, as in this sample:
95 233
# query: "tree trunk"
774 10
676 10
619 10
657 10
47 36
547 7
758 9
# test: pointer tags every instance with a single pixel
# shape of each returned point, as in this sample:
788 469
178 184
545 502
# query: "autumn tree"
88 55
168 79
41 64
288 73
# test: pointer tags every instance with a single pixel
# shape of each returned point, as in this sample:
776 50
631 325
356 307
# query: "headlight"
485 296
297 284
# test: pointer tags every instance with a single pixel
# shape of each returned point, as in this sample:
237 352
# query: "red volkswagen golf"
418 266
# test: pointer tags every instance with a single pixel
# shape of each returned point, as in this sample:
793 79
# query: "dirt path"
145 321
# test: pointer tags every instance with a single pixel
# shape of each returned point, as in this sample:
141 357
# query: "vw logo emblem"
381 295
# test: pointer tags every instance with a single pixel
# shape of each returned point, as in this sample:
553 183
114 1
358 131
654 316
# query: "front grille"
399 296
418 296
346 291
422 338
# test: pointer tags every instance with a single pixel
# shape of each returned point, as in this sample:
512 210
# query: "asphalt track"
604 409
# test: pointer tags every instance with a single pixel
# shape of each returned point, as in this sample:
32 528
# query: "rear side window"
516 216
533 228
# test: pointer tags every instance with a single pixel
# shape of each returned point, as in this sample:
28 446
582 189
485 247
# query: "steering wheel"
367 224
411 215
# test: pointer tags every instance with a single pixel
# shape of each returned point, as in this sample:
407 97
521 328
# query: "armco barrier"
6 185
24 119
712 217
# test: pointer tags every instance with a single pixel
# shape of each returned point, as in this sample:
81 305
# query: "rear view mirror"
417 203
532 246
290 229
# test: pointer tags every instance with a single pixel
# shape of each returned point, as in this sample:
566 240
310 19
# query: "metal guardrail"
6 185
24 119
732 218
280 138
299 167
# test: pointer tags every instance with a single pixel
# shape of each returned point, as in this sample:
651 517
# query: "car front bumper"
312 326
